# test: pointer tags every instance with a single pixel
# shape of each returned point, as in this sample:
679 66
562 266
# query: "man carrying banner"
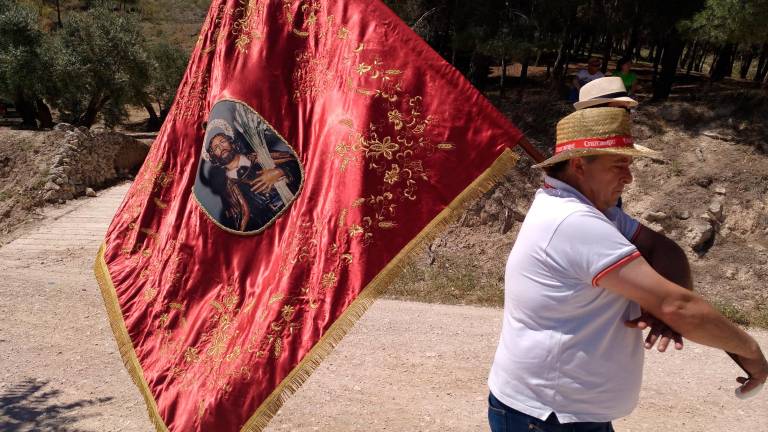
573 279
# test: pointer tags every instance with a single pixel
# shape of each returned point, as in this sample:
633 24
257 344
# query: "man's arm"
665 256
688 314
670 261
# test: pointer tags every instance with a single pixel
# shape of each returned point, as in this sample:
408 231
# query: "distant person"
585 76
605 92
624 71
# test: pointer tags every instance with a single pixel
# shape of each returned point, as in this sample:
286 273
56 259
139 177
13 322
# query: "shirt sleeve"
587 246
626 224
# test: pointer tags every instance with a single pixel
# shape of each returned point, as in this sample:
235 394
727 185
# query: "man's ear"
577 166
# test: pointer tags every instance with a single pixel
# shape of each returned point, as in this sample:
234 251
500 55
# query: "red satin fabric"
218 319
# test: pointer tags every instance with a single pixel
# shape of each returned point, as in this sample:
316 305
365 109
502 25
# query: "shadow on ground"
32 405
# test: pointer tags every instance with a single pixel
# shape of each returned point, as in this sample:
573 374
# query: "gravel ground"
405 366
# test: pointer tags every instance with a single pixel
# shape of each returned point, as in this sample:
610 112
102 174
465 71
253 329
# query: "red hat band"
618 141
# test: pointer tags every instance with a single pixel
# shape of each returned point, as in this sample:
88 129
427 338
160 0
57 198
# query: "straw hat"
596 131
604 90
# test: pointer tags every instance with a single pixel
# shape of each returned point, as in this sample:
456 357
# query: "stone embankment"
86 160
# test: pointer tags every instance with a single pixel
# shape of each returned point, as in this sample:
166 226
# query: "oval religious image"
248 173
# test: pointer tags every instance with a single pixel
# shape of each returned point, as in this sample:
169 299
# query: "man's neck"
573 182
234 164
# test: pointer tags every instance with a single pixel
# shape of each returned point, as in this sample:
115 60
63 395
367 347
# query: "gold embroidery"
355 230
149 294
160 204
342 221
329 280
393 175
149 232
310 76
244 29
190 103
306 12
275 298
215 22
358 202
287 312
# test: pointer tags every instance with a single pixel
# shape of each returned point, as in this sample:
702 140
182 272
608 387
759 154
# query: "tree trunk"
95 106
634 34
692 59
607 52
502 75
591 48
723 66
714 62
562 55
634 39
762 64
687 53
26 110
673 49
44 114
58 15
656 62
524 70
154 121
578 45
702 59
746 62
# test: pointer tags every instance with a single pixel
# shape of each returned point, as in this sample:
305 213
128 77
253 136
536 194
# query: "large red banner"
311 147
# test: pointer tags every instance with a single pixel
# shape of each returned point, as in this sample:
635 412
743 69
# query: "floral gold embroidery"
245 28
329 280
393 175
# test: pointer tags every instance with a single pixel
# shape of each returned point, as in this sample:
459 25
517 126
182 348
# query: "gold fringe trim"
271 405
124 344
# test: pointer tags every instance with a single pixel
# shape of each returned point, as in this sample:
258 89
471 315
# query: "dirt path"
405 367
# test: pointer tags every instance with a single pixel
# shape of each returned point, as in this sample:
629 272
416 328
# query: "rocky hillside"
711 196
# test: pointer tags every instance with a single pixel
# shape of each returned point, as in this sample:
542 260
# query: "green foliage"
99 65
167 66
730 21
23 61
732 312
451 282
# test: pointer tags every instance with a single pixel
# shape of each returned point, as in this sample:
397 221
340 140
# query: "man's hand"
266 180
756 368
660 332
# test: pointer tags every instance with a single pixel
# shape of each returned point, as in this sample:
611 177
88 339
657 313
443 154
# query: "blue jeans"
505 419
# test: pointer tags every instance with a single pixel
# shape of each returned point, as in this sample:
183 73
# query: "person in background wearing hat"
585 76
566 361
604 92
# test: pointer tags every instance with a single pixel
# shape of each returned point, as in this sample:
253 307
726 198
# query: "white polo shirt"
564 347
